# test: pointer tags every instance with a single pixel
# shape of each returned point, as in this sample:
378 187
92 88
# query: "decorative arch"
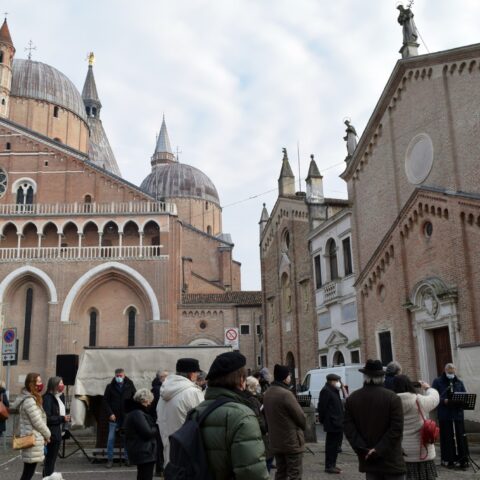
433 284
66 223
8 224
28 180
29 270
148 220
203 342
91 274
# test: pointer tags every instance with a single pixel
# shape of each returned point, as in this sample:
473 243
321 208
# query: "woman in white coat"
32 420
419 458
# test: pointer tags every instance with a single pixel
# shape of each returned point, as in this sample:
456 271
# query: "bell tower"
7 51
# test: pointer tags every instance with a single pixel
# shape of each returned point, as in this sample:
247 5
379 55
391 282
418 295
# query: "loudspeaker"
67 366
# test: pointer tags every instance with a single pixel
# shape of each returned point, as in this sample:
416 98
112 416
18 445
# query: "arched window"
3 101
132 315
27 324
94 111
88 111
338 358
92 330
25 194
332 259
209 230
1 57
56 110
8 146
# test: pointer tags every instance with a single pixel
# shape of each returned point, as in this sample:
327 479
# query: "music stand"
465 401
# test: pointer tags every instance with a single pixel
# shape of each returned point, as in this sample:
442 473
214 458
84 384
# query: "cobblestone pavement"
78 468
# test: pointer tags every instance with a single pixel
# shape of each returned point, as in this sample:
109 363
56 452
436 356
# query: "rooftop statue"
350 138
405 19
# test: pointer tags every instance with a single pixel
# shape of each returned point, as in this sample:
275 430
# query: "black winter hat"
374 368
226 363
280 372
187 365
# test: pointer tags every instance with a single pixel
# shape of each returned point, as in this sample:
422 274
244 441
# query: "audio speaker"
67 366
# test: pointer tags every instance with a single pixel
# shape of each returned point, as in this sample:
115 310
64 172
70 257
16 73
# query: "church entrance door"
443 349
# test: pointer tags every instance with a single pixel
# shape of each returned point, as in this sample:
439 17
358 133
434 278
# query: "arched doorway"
291 366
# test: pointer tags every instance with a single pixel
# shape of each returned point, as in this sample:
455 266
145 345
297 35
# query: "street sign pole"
7 380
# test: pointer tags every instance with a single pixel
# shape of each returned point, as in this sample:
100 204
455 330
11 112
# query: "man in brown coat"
286 423
374 426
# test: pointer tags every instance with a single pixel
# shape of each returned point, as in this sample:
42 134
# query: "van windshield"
306 383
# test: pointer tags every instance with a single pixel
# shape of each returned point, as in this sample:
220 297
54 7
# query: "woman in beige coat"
419 458
32 420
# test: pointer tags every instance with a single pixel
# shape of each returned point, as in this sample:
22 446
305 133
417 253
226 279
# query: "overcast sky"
237 81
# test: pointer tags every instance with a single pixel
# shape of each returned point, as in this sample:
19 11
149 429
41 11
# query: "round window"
3 182
428 229
203 325
419 158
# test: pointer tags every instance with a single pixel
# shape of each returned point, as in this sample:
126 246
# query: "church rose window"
3 182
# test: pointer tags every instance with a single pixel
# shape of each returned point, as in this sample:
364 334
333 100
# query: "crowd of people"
248 425
385 423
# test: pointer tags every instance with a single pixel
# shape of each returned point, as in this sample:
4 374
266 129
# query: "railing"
79 253
76 208
331 291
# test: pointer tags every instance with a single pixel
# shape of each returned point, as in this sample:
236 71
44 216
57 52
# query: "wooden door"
443 349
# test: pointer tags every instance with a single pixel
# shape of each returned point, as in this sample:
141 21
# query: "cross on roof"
29 49
178 153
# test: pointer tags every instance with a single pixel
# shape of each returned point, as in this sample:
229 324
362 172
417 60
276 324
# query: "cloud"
237 79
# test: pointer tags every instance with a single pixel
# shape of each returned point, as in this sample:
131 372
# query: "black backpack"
188 459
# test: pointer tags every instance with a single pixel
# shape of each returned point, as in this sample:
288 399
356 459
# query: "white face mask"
338 385
450 376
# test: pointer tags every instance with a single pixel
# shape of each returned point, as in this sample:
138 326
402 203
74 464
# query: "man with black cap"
178 395
374 426
231 434
286 424
330 414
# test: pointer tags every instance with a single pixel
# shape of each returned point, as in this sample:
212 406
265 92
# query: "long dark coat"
330 409
374 419
55 421
140 432
4 399
446 388
285 420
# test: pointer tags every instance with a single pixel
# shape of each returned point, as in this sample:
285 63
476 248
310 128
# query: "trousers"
28 471
332 445
145 471
384 476
452 441
51 457
289 466
112 431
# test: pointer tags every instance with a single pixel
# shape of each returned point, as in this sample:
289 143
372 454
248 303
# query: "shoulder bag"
21 442
429 432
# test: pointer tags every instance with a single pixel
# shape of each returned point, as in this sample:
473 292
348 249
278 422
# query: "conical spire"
5 36
286 170
286 181
263 219
313 171
163 150
89 93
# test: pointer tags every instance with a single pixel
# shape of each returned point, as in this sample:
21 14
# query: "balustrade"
80 253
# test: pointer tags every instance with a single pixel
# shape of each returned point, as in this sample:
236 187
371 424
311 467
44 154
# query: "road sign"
8 357
9 344
231 338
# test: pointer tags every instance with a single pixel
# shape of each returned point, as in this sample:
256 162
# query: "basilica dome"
40 81
169 180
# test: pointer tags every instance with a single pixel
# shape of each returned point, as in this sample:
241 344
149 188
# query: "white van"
315 380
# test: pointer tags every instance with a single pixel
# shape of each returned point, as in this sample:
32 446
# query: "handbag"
3 410
22 442
429 432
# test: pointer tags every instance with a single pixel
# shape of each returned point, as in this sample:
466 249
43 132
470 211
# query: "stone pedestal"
409 50
310 430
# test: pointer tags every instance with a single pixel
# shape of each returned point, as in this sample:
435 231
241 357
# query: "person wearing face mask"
118 391
330 414
54 406
451 420
32 420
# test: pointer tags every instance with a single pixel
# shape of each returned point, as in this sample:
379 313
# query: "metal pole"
7 380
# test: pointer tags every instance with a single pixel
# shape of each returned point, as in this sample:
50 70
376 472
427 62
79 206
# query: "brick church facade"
86 257
414 186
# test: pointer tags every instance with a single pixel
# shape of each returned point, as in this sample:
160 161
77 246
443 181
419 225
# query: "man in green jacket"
231 435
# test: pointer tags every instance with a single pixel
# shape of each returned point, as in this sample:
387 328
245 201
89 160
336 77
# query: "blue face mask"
450 376
119 379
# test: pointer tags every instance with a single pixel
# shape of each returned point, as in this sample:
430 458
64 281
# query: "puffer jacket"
32 419
178 395
412 424
232 438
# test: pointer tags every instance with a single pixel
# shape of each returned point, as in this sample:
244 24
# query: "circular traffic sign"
231 334
9 336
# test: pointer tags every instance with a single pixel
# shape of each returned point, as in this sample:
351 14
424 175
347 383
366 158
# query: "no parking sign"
231 338
9 344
